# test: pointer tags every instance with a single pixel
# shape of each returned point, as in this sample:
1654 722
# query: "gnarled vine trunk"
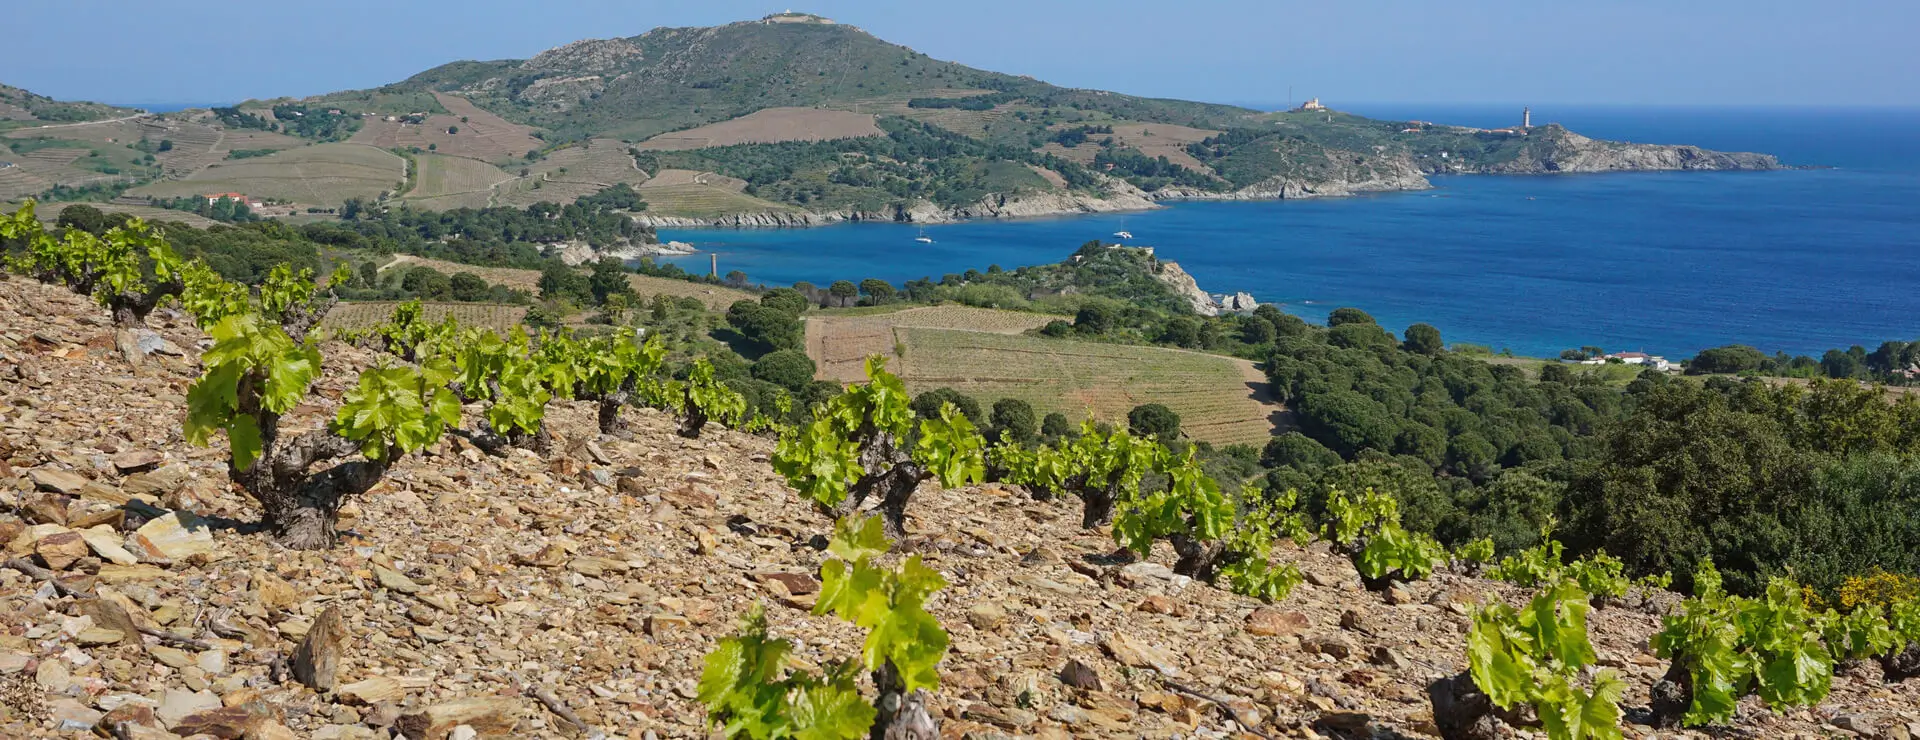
1460 710
1900 665
901 716
696 418
1200 560
497 443
300 508
892 476
1672 695
1098 500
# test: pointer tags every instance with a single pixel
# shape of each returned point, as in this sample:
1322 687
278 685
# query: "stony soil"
473 593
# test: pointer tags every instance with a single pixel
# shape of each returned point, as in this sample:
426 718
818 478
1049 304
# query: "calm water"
1672 263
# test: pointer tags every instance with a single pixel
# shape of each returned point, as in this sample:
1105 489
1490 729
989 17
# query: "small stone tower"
1526 117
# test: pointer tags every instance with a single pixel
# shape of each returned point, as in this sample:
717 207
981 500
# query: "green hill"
20 108
798 119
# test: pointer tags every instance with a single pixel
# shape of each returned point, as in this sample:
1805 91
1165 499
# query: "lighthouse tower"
1526 117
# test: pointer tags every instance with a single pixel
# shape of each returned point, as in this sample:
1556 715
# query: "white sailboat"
1123 233
923 238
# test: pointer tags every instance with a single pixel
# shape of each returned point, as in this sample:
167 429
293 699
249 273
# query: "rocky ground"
492 596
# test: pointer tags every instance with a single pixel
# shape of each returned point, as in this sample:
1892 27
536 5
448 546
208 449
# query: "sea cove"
1667 262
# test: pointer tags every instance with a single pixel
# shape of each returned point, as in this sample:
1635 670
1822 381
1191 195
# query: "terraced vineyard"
319 175
841 343
446 182
1220 400
365 314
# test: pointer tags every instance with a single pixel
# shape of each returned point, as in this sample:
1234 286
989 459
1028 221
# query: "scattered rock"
371 691
1081 676
1135 653
105 542
61 550
986 616
175 537
317 661
1332 645
489 715
1271 622
393 580
137 461
54 480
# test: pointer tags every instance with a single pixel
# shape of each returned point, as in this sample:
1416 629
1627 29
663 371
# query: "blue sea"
1798 261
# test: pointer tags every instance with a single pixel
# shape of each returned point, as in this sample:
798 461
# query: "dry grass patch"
319 175
1152 139
768 126
1218 399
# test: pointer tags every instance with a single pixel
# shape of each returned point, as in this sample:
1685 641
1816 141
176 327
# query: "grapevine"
746 696
1532 657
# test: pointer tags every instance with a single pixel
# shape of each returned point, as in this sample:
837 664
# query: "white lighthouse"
1526 117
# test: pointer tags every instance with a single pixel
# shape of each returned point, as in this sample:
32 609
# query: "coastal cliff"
1553 149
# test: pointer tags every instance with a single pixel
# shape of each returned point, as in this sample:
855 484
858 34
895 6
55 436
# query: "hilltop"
498 591
791 119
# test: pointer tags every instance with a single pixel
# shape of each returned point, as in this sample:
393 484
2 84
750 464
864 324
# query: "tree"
1154 420
1094 318
559 282
1348 316
1055 426
452 130
1423 339
877 291
469 287
786 300
1257 331
369 275
791 369
1013 419
1181 331
83 217
1294 449
425 282
1733 358
351 209
736 278
769 328
609 278
927 405
1838 364
843 292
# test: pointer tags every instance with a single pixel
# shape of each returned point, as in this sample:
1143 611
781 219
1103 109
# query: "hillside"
19 108
794 119
499 592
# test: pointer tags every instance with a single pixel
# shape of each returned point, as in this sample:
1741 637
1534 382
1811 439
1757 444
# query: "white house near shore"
1635 358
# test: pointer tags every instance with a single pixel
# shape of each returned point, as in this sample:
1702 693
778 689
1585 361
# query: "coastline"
1391 174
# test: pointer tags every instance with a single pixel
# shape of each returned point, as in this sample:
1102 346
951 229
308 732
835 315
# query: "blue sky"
1655 52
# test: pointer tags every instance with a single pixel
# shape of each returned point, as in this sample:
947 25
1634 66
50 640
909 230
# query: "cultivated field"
366 314
1220 399
17 182
1152 139
769 126
840 343
444 179
716 297
319 175
483 136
